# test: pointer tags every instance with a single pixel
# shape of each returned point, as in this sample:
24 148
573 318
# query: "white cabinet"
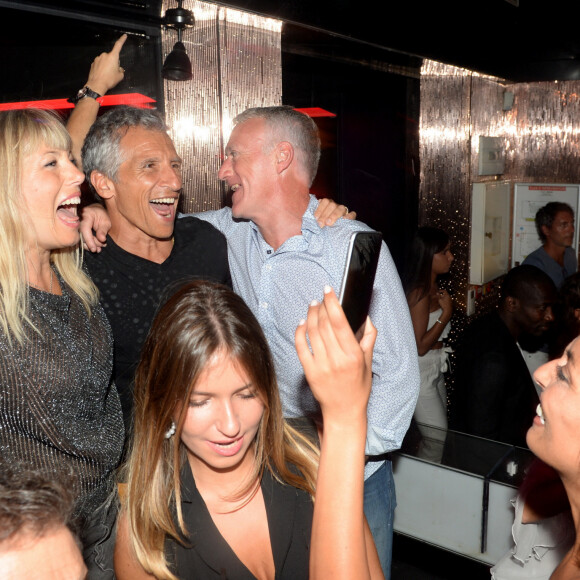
490 231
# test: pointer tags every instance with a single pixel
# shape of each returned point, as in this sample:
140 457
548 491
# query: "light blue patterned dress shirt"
278 287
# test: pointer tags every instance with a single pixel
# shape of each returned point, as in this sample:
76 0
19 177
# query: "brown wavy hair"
199 320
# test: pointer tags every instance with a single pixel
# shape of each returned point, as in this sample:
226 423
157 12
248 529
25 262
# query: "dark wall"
371 161
53 62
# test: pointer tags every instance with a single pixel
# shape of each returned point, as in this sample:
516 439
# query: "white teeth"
226 444
164 200
540 413
72 201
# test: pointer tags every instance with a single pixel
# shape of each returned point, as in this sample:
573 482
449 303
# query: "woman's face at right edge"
555 433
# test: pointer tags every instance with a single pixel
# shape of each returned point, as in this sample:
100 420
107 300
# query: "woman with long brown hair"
431 308
218 485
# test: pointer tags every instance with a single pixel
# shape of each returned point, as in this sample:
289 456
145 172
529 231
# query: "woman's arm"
376 572
126 565
339 372
95 225
426 338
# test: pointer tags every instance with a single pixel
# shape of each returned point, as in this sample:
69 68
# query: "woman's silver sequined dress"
59 409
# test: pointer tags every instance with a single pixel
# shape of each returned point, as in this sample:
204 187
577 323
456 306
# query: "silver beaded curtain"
542 144
236 60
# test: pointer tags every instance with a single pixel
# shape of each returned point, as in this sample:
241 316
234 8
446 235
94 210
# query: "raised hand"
106 71
445 301
339 371
337 367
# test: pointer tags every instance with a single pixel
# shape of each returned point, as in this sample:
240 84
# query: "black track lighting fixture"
177 66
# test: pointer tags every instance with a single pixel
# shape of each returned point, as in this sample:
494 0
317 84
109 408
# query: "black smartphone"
359 276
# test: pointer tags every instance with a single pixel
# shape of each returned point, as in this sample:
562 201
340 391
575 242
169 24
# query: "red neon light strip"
133 99
316 112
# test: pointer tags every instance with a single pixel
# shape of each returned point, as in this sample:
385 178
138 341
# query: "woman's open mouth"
67 211
227 449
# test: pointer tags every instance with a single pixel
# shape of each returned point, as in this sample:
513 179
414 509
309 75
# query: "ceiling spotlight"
177 66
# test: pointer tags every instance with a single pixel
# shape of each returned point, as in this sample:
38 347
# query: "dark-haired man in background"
495 396
556 257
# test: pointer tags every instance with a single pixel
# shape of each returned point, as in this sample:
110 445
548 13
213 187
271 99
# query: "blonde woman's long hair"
200 320
22 132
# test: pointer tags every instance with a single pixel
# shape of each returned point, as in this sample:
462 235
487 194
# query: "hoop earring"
171 431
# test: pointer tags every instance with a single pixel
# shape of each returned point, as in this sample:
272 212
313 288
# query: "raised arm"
106 73
339 372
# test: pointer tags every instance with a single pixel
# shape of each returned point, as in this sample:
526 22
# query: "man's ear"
512 303
104 186
284 156
545 231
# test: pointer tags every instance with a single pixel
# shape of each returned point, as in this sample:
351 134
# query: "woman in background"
218 484
59 410
431 308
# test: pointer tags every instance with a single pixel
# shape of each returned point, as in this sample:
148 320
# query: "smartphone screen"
359 275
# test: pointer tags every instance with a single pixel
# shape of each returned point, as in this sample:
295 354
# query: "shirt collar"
309 226
309 223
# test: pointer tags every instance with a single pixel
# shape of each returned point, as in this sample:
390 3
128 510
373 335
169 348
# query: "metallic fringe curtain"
236 59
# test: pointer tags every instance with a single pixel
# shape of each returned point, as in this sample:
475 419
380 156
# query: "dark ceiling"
534 41
537 40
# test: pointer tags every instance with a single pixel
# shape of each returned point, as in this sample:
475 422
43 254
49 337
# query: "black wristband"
84 92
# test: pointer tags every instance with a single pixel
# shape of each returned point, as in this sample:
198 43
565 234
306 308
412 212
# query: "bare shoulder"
417 300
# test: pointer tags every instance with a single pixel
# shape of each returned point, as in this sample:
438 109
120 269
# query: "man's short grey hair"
288 124
33 502
101 151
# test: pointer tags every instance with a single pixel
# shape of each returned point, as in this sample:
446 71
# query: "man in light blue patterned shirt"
281 259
